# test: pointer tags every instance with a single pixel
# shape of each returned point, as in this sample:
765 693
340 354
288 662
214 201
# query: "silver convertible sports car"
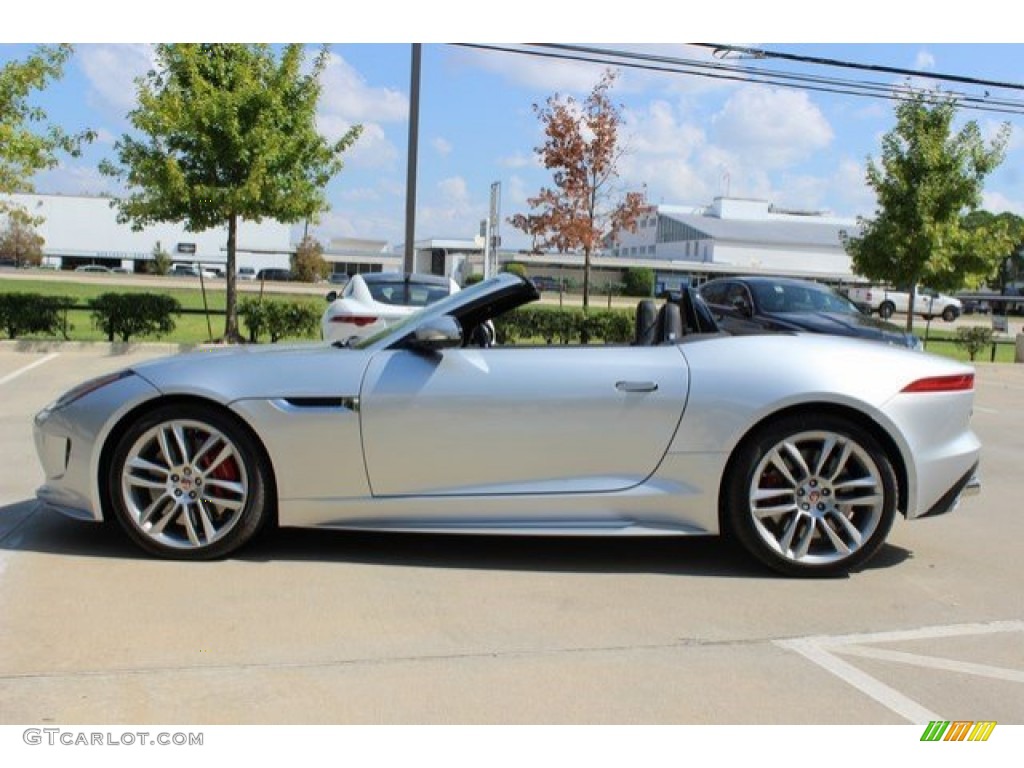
802 447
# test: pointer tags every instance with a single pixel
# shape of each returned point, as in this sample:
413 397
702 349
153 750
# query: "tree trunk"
231 334
586 280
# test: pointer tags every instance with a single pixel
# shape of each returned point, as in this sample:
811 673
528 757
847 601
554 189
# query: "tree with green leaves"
227 132
161 262
29 143
20 241
929 179
583 210
308 263
1009 265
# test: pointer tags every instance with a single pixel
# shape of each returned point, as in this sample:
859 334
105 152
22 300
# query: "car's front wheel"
886 310
811 496
188 482
949 314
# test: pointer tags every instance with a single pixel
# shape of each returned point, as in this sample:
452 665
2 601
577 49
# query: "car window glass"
713 293
736 295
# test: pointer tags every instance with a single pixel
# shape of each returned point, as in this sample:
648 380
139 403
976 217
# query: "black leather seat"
646 328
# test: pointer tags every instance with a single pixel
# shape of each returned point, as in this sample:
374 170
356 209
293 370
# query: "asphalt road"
339 628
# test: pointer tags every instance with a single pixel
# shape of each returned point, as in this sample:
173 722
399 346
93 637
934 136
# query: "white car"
373 301
190 270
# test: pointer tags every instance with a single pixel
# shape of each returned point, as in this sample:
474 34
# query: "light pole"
410 177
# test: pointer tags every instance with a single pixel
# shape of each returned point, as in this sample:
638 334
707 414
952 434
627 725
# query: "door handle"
636 386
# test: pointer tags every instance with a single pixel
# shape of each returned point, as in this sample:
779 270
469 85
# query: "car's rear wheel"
811 496
949 314
188 482
886 310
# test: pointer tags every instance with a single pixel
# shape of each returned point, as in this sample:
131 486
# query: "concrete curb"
105 348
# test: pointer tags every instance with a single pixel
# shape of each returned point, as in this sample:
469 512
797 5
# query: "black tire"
949 314
886 310
821 511
204 500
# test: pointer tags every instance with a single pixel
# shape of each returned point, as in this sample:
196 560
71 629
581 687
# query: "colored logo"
958 730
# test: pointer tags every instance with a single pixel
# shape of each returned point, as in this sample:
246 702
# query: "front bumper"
69 441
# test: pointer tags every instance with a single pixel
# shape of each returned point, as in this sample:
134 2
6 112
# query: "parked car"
271 273
370 302
95 268
246 273
545 283
190 270
745 305
804 446
927 303
338 278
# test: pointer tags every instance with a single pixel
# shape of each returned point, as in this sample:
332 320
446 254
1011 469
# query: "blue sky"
688 139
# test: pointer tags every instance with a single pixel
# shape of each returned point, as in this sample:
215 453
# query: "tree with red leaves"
583 209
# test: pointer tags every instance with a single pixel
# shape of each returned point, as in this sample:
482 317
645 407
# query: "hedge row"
565 326
123 315
126 315
279 319
24 313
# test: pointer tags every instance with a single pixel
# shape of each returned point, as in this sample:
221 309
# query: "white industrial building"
81 230
730 236
681 244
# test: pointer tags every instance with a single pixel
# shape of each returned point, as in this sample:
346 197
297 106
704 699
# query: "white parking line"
29 367
822 651
888 697
934 662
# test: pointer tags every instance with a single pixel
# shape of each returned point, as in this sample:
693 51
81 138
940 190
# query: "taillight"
955 383
357 320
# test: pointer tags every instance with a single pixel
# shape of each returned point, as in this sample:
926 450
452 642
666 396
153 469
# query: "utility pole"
493 237
410 178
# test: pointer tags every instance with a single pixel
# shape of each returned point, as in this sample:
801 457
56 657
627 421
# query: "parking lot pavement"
333 627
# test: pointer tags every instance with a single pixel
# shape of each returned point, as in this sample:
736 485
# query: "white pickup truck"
927 303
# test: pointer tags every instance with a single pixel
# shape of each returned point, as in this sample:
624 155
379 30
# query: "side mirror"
437 333
331 296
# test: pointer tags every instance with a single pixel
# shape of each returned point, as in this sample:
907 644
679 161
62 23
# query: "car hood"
841 324
226 374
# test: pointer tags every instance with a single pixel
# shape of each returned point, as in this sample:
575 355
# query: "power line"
748 74
761 53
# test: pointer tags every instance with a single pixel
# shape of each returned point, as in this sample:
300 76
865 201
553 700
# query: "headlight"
83 389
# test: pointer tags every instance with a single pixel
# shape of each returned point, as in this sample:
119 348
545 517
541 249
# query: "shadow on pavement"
41 530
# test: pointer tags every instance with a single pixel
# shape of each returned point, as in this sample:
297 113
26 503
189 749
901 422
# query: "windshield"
406 293
782 297
439 308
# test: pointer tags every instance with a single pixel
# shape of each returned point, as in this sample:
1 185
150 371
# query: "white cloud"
550 75
997 202
346 94
772 128
361 194
442 146
850 188
924 60
519 160
545 74
111 71
450 210
74 179
372 149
